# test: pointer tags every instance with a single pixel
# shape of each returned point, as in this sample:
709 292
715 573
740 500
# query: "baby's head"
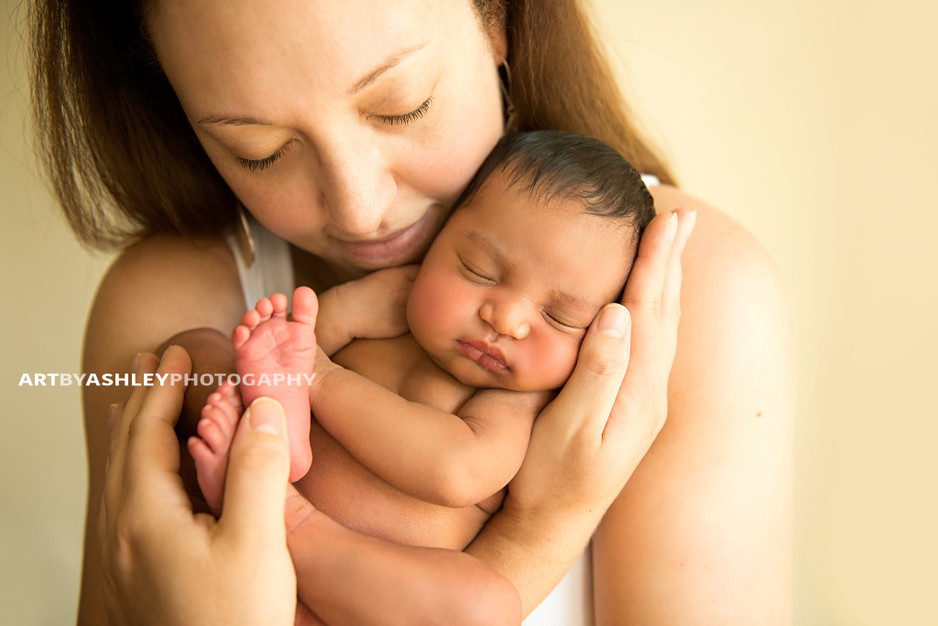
542 238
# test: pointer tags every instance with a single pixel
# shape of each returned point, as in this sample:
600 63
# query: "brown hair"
124 162
550 164
560 78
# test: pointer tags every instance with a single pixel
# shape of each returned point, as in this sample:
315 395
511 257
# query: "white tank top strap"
650 180
263 262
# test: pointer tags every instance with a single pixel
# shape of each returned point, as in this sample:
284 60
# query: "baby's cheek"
553 361
436 302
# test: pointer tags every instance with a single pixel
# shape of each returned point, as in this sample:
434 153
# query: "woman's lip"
396 247
485 355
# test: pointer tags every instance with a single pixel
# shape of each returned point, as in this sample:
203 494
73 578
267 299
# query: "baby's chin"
511 380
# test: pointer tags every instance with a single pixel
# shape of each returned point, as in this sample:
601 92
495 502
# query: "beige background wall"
812 123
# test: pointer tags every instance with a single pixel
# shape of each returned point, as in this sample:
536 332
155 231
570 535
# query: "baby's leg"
274 357
211 353
209 450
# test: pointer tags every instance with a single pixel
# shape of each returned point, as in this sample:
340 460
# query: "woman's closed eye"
406 118
256 165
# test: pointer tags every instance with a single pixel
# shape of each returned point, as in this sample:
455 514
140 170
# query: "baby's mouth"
485 355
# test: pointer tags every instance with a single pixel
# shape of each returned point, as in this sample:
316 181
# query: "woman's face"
348 128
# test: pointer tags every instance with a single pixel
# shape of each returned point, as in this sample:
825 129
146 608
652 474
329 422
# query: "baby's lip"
487 356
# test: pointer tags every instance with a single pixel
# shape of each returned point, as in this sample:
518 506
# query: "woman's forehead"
221 44
305 20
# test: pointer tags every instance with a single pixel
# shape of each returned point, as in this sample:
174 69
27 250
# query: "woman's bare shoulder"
718 477
152 291
728 276
718 243
159 287
734 331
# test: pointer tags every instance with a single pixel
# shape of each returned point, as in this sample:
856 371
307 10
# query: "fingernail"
693 219
135 364
613 320
672 226
165 352
265 416
112 416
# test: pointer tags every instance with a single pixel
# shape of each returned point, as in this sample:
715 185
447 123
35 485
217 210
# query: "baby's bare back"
348 492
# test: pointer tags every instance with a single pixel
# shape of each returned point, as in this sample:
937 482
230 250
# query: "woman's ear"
497 28
500 45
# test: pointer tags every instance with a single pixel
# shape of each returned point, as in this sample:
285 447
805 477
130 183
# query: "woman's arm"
588 441
439 457
154 290
701 533
349 578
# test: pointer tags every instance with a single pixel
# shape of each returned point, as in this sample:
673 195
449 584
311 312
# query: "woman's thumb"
258 468
593 387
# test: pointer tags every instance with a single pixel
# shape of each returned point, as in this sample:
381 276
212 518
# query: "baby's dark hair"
552 163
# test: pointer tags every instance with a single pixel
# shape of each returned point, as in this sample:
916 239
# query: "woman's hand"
588 441
162 563
593 435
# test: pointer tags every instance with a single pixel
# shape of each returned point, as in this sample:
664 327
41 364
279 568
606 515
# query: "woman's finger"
645 284
115 469
257 478
144 363
654 329
671 296
152 447
652 295
592 387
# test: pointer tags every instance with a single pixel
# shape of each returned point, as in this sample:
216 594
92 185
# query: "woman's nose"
357 186
507 316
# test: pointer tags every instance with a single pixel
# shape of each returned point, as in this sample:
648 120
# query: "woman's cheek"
455 147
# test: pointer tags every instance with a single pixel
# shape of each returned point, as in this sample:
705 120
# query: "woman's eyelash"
407 118
255 165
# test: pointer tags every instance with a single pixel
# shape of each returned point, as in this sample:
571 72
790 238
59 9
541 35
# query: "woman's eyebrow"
224 120
392 61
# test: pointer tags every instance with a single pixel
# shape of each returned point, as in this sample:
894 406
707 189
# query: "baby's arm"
369 308
451 460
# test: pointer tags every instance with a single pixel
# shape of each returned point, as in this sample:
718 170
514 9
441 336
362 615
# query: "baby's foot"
266 344
209 450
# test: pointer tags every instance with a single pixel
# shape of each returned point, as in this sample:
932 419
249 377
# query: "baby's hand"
373 307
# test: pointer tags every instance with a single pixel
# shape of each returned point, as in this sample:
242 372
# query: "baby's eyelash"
407 118
476 274
255 165
565 325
